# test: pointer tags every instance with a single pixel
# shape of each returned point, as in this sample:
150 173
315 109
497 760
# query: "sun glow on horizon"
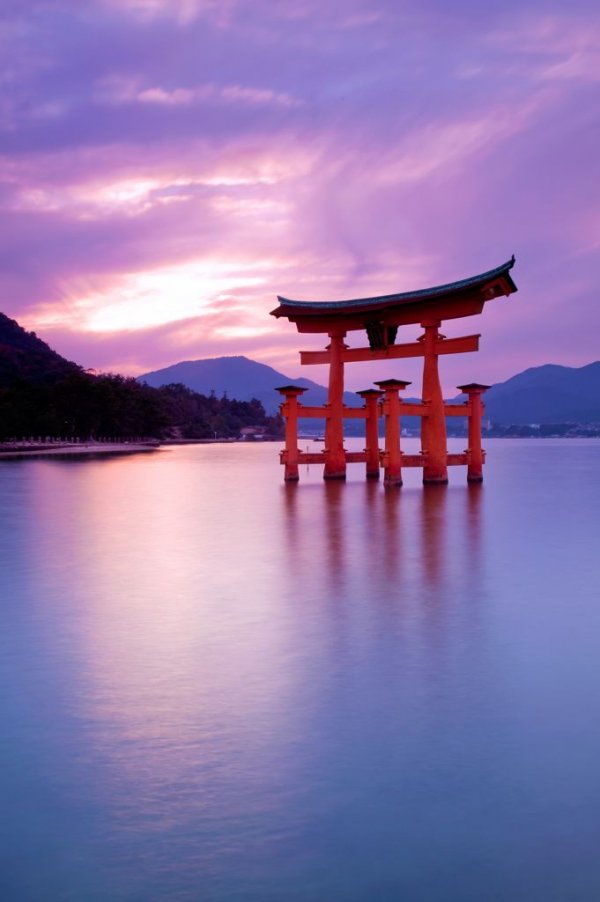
154 298
164 296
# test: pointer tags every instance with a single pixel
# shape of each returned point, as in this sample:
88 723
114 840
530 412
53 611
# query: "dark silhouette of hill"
44 395
547 394
241 378
25 356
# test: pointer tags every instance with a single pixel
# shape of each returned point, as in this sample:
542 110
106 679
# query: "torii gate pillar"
474 391
433 427
371 398
391 411
335 456
289 409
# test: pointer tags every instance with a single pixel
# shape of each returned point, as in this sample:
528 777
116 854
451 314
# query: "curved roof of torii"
487 285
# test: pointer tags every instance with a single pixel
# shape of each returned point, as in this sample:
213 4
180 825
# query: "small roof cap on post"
369 393
291 390
472 386
392 383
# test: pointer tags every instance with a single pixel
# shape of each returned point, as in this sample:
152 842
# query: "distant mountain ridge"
240 378
543 394
547 394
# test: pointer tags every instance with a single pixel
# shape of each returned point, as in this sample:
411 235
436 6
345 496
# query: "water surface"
214 686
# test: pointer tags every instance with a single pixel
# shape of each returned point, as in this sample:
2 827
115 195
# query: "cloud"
553 48
126 91
182 11
167 168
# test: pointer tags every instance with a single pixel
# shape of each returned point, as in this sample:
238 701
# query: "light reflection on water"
217 686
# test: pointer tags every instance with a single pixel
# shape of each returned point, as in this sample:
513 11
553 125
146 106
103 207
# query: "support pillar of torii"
335 461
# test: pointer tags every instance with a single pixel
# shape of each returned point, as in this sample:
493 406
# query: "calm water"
217 687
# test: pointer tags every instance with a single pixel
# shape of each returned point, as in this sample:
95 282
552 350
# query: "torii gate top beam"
381 316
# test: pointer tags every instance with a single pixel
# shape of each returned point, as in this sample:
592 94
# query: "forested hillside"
44 395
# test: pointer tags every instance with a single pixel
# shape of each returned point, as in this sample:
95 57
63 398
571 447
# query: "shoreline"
25 449
11 450
41 449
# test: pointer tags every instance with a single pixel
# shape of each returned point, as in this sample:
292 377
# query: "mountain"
543 394
24 356
547 394
240 378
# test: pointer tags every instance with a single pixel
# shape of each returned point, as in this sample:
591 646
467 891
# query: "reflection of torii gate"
380 317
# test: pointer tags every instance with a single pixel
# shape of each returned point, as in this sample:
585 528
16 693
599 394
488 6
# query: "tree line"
81 405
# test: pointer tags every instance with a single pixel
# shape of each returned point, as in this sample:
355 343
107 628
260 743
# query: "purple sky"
167 167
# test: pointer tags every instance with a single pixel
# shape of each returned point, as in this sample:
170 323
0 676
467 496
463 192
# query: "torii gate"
381 317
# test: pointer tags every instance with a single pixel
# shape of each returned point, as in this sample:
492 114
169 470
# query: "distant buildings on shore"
495 430
544 430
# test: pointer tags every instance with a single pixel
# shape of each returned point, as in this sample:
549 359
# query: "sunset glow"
169 162
164 296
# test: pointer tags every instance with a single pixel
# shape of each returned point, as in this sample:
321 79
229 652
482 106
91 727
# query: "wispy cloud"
182 11
552 47
126 91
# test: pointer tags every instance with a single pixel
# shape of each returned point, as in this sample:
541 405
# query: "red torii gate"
380 318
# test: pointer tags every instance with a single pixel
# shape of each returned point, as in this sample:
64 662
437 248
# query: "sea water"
214 686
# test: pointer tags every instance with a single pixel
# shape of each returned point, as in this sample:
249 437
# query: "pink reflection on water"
213 609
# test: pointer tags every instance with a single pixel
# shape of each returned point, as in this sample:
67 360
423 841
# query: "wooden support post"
433 426
335 455
289 410
474 391
391 410
371 397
